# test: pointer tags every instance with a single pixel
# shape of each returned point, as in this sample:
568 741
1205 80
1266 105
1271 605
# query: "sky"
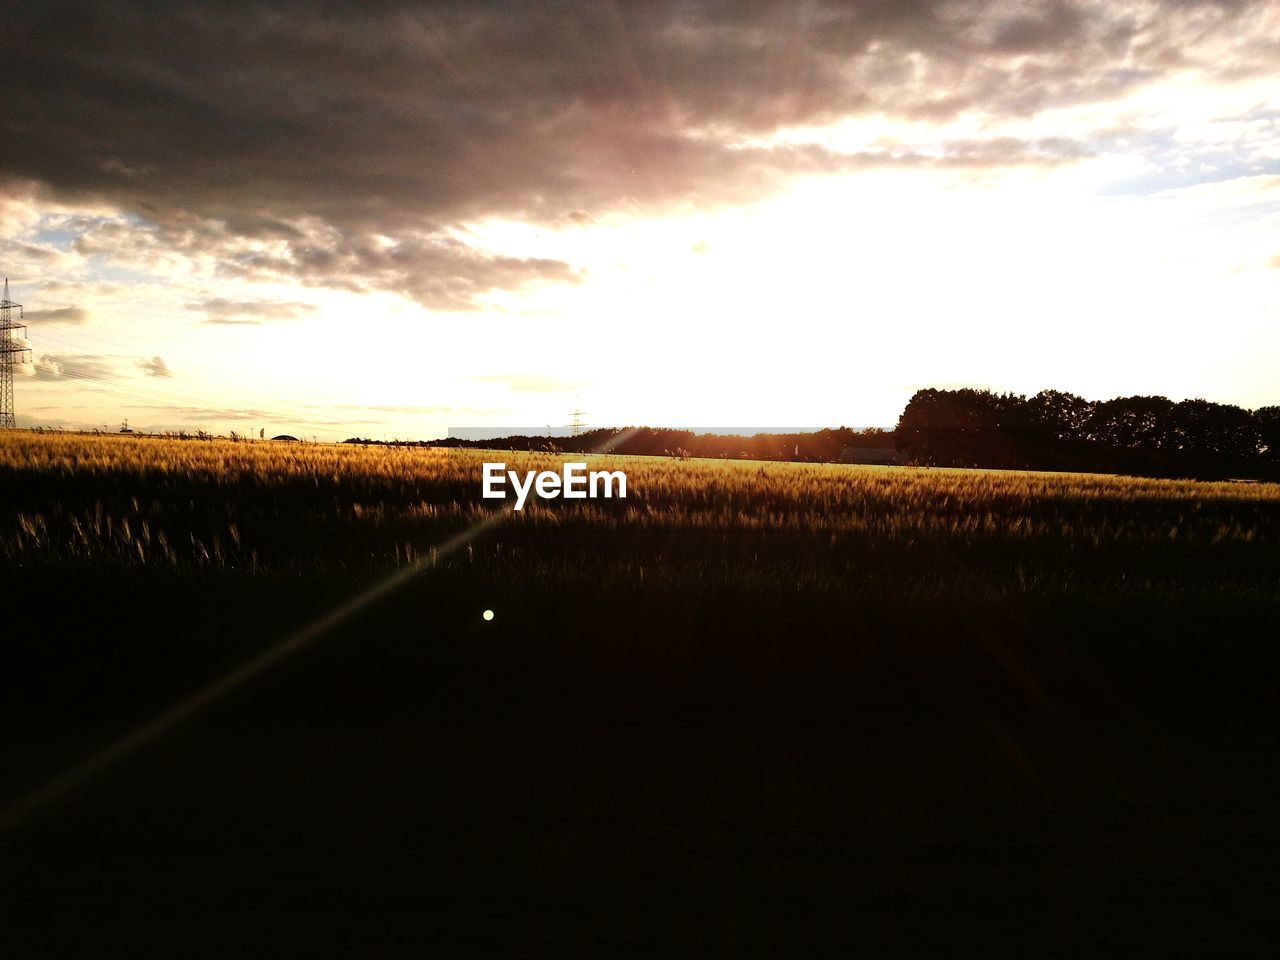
384 219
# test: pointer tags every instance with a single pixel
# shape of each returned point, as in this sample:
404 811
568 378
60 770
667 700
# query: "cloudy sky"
384 219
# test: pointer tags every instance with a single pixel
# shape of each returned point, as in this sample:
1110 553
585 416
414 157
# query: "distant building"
877 456
285 436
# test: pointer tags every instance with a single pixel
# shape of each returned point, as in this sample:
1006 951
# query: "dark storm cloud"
59 315
303 132
222 311
440 272
31 251
155 367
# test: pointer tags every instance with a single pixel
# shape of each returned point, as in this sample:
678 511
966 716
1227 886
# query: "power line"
14 348
163 396
100 384
136 396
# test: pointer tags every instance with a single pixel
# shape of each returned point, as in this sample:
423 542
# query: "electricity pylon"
578 420
13 349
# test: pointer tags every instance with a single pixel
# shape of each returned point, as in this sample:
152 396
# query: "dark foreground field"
751 710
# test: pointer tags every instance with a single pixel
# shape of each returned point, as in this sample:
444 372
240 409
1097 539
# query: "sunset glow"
796 221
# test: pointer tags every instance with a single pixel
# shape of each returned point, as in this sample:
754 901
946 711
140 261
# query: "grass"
261 509
793 575
776 703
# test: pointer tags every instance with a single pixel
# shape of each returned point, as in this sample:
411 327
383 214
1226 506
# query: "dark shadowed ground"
629 775
752 709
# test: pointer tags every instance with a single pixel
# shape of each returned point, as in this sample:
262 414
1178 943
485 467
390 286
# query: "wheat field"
246 509
801 681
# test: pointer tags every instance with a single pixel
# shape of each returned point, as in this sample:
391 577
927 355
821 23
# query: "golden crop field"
775 669
265 508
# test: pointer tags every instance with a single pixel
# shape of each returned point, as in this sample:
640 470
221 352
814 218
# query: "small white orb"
488 614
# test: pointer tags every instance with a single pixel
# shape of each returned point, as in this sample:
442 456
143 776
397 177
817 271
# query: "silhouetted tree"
1056 430
1267 420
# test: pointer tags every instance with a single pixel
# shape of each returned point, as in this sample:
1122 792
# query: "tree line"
821 446
1053 430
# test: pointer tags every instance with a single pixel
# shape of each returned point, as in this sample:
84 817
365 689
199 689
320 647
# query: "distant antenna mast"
13 350
578 422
